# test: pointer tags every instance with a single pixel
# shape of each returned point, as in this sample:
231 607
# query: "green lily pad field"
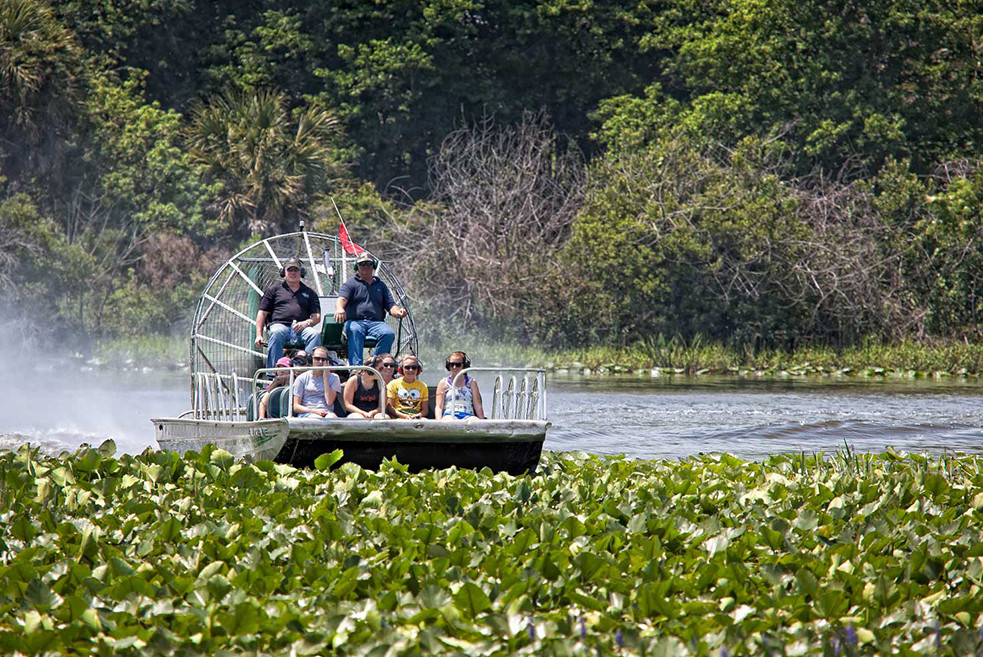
847 554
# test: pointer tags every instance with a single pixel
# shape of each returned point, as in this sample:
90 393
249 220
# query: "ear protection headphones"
283 272
375 265
419 367
467 362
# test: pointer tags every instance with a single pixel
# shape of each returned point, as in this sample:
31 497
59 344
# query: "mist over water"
58 403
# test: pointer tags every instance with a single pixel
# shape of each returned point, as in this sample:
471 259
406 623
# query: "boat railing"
261 378
519 393
217 396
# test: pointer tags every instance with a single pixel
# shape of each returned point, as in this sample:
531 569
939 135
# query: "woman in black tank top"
362 392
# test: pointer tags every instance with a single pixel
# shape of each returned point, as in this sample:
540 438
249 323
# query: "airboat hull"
512 446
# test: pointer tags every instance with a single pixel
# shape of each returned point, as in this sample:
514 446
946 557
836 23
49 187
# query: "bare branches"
503 200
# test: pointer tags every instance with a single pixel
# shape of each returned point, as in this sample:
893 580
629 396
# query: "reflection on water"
639 416
663 418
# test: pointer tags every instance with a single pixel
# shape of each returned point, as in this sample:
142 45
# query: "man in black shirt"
292 308
362 305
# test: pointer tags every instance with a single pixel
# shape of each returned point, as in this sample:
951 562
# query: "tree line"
566 172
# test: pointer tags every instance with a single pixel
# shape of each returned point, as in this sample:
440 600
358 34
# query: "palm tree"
40 64
268 164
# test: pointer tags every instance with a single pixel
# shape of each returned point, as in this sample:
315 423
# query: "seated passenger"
312 398
281 379
363 391
465 401
288 310
300 359
407 397
362 304
387 367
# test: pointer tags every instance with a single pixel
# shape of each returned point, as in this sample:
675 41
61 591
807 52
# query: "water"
61 409
751 418
641 417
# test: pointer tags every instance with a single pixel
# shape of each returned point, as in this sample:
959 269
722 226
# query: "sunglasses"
293 268
411 368
452 363
389 365
298 361
319 359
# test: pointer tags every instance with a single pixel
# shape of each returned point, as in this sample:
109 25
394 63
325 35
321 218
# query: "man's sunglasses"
452 363
318 359
389 365
411 367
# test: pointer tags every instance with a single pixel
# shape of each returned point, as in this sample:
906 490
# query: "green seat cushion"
278 405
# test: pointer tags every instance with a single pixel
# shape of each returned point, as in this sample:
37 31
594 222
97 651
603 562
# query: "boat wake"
50 443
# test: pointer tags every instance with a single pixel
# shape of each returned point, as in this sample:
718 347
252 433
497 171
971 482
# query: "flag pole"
344 251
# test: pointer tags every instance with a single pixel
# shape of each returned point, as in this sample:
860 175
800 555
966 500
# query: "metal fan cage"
224 324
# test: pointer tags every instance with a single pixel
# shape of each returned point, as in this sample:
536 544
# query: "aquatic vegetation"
159 554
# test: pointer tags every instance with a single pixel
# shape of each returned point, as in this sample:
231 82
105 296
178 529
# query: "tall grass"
699 355
693 356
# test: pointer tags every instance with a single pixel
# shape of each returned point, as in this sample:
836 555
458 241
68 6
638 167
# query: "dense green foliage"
162 554
767 174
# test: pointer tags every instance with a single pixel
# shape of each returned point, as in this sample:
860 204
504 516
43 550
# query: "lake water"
639 416
751 418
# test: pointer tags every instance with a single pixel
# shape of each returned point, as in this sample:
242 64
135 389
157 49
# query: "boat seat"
278 405
431 402
332 332
339 406
333 336
294 344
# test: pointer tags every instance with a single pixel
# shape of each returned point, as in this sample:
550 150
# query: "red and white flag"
346 243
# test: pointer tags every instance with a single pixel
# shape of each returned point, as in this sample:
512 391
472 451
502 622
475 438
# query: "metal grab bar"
518 400
217 396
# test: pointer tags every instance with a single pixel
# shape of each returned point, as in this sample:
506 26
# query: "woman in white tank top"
464 400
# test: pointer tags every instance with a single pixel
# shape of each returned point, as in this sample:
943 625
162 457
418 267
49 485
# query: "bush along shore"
851 554
667 357
653 357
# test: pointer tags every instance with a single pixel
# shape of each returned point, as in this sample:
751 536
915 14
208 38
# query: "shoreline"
955 359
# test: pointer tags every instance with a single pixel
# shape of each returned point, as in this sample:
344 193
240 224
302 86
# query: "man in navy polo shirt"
292 308
362 304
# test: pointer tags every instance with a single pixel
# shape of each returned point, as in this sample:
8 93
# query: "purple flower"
532 631
583 628
724 652
850 635
619 639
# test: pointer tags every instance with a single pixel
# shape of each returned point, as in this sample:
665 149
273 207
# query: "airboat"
228 379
